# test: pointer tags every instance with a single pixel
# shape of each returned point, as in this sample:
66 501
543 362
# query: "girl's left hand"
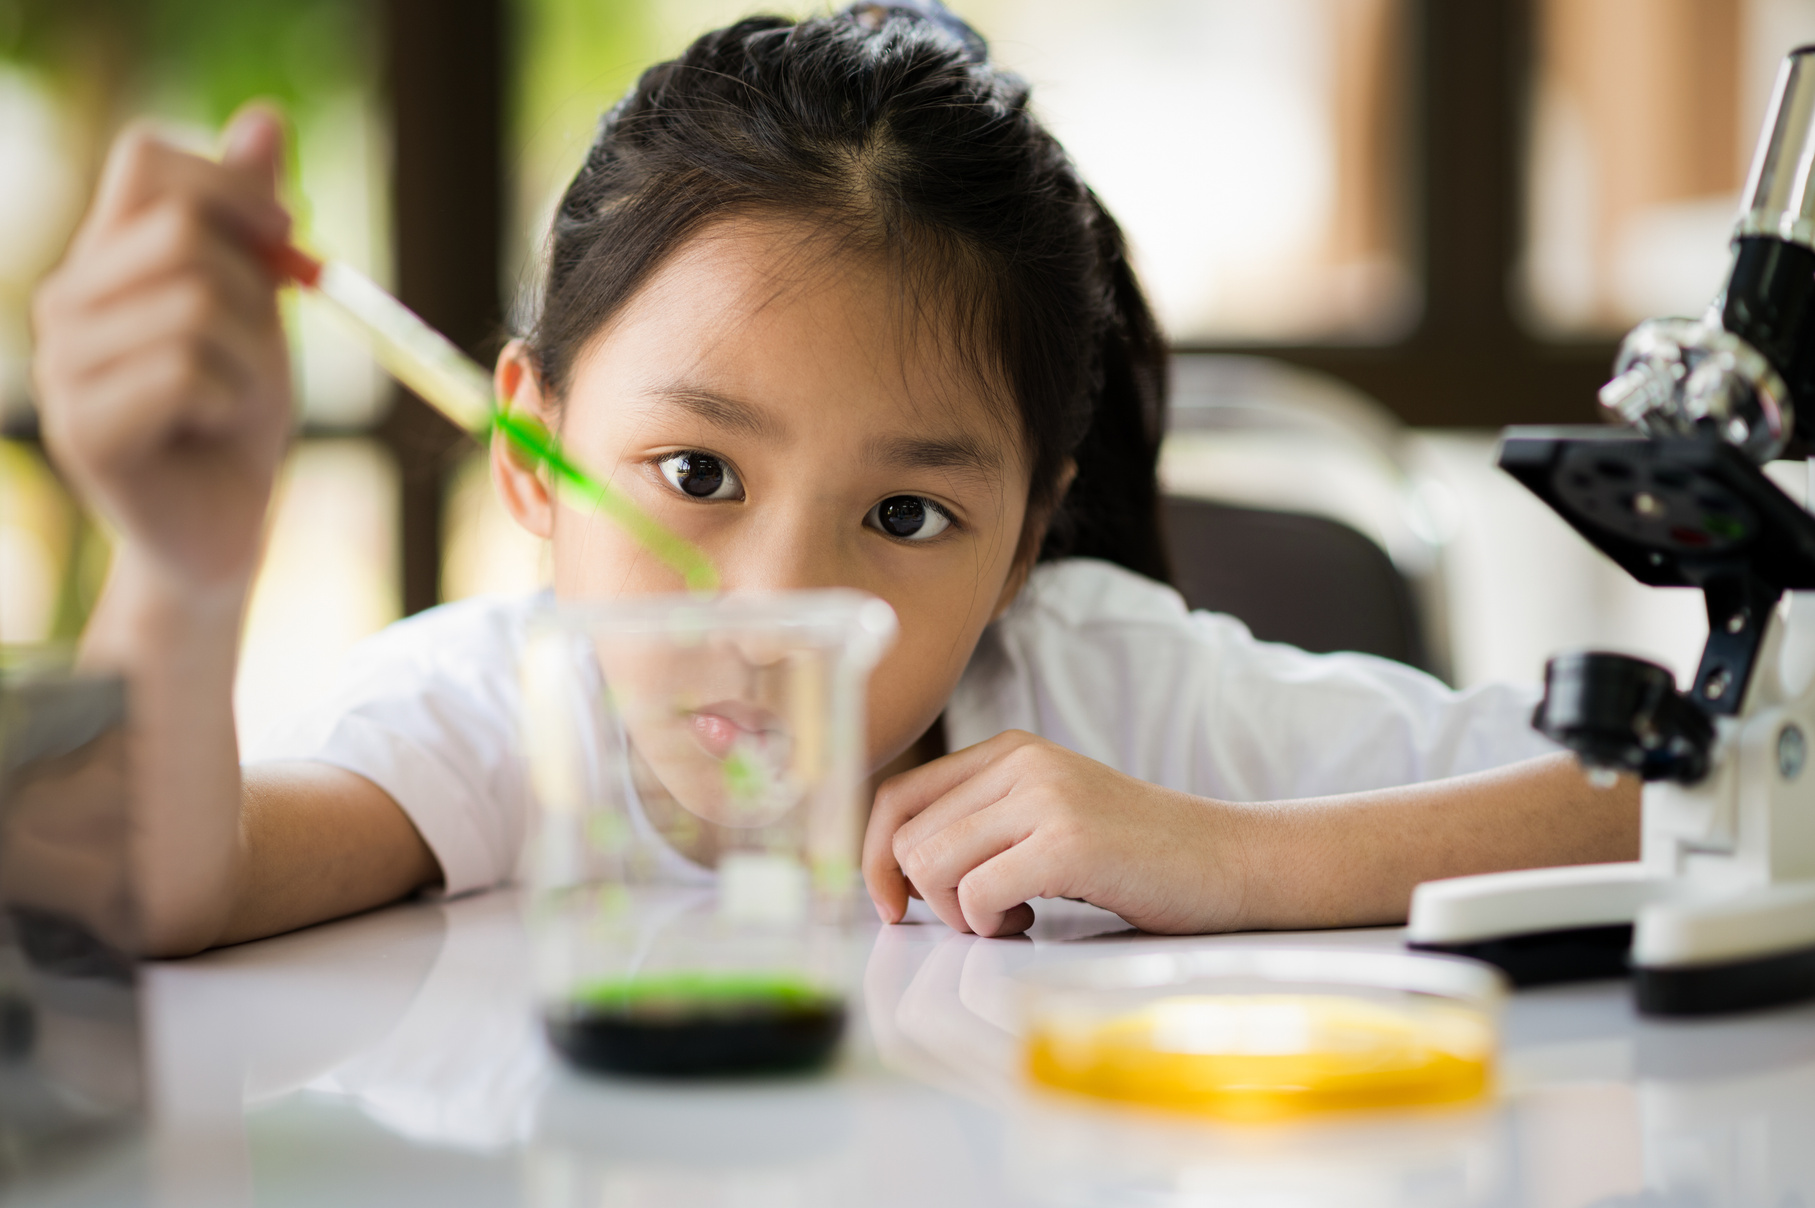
982 831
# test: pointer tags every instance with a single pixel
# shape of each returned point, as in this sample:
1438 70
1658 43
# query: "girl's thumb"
254 143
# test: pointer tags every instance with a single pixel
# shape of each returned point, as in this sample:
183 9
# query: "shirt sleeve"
1113 666
427 710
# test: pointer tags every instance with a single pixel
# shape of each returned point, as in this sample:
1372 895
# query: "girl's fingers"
179 323
253 144
178 311
981 790
983 880
155 388
993 897
940 862
150 397
172 238
142 169
913 791
903 798
161 392
888 889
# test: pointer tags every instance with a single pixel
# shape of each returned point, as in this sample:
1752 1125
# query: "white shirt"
1090 656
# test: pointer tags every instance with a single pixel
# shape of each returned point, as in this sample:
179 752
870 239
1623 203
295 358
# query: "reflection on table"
394 1059
70 1057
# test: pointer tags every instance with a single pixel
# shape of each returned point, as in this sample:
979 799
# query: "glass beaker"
698 766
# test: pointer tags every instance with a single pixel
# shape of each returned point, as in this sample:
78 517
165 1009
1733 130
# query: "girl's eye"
909 518
701 475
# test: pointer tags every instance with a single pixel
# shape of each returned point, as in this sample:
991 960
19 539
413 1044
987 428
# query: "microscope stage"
1673 513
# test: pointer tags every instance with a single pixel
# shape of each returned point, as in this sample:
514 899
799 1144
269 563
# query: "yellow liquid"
1265 1057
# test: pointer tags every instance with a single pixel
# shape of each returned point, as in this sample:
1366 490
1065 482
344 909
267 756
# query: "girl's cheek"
594 562
902 706
914 680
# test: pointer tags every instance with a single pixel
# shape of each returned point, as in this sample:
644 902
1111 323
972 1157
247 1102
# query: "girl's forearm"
178 649
1354 860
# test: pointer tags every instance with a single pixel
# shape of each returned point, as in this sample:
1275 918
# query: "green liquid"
698 1024
454 384
590 493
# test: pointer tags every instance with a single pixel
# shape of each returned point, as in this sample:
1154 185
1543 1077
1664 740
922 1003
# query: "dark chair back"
1303 579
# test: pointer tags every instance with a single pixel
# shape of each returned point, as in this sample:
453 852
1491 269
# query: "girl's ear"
1033 534
518 481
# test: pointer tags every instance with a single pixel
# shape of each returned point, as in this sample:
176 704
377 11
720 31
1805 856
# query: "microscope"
1718 913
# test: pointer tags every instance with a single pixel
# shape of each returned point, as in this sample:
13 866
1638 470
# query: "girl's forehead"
776 309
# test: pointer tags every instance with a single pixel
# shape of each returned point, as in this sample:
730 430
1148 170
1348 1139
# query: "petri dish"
1258 1033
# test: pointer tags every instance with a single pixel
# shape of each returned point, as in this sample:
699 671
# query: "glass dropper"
454 384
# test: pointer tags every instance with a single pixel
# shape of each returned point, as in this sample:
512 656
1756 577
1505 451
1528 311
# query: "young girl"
828 301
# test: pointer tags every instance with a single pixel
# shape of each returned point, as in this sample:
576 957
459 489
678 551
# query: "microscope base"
1702 953
1539 925
1716 989
1544 957
1692 949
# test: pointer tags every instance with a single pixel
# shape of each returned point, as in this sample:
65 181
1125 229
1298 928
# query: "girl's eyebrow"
723 412
961 453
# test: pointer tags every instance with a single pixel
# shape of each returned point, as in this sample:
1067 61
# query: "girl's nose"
796 549
761 650
793 549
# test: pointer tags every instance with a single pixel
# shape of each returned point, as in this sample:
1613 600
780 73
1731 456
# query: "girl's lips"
718 727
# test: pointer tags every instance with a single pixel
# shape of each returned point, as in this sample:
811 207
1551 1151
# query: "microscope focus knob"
1625 714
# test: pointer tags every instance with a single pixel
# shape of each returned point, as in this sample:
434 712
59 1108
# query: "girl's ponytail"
1112 510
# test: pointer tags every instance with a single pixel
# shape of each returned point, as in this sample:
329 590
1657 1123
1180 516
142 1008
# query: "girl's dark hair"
887 123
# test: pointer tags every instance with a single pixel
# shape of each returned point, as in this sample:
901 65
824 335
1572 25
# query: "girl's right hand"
162 373
165 394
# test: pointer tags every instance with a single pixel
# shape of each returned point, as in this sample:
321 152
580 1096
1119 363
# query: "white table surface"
393 1060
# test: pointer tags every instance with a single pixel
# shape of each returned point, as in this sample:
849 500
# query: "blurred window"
1253 152
329 576
68 73
41 192
1393 193
51 558
487 552
1644 116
